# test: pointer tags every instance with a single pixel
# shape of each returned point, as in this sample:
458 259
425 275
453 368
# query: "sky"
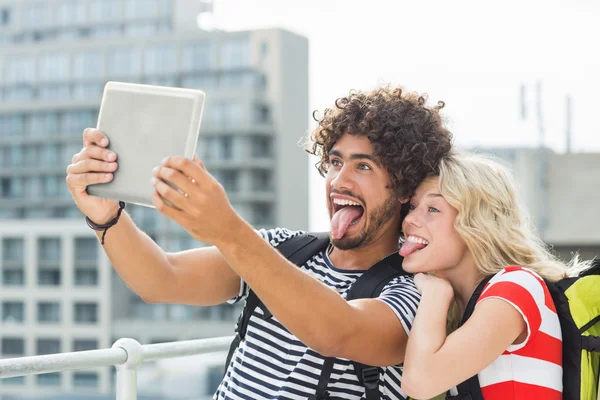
473 55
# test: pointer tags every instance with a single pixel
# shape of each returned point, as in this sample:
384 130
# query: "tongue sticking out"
342 219
410 247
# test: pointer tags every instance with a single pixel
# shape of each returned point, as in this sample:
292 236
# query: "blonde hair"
492 222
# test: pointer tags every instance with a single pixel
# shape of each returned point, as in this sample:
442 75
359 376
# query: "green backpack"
577 302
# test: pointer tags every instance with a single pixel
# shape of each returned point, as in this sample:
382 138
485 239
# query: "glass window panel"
13 250
13 346
235 53
123 62
13 312
86 313
54 67
49 250
48 312
70 12
47 346
88 64
197 56
159 59
51 379
85 344
85 379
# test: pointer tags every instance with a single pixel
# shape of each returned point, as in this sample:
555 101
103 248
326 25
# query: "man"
374 149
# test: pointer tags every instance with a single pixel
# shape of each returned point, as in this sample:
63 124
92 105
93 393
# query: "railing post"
127 372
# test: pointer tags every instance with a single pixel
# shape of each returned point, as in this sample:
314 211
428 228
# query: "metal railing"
126 355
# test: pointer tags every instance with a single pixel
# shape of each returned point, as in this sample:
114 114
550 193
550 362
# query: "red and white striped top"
532 369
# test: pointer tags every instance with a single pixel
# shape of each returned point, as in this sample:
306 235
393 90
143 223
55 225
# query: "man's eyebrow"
357 156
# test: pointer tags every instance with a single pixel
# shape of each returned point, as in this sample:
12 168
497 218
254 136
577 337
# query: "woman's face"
432 243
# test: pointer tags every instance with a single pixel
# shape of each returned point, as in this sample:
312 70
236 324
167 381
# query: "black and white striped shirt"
271 363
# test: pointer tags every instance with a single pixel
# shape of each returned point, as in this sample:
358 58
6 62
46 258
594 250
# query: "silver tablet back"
145 124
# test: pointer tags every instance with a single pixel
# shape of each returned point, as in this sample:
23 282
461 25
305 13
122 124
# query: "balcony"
126 355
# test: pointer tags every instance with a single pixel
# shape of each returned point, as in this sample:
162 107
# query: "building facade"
58 291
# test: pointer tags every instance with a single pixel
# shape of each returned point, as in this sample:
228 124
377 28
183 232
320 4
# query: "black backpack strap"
298 250
368 285
470 389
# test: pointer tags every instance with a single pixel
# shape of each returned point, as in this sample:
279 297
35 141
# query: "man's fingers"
174 196
94 136
84 180
89 165
188 167
163 207
175 177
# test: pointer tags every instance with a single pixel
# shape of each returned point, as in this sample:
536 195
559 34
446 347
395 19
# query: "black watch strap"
104 227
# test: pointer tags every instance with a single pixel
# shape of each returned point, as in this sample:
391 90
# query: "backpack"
298 250
577 302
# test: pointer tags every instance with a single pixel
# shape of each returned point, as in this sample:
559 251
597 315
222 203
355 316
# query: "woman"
463 226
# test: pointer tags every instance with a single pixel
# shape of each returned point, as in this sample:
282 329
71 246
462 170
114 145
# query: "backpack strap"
368 285
298 250
470 389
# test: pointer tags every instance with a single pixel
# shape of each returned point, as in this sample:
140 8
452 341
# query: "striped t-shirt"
271 363
533 368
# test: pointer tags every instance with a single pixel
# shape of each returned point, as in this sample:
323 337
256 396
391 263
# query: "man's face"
361 205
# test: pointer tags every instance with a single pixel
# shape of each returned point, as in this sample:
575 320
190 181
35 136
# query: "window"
261 114
86 313
13 250
197 56
89 64
204 81
85 344
48 312
49 250
230 181
123 62
13 346
70 12
74 122
86 253
142 8
52 379
86 250
16 380
263 214
5 16
159 60
235 53
13 276
54 67
47 346
140 29
49 255
54 92
11 125
85 379
36 15
86 277
261 180
237 79
20 70
105 10
13 312
87 91
261 146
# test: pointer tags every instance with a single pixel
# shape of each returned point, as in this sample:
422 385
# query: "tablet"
144 125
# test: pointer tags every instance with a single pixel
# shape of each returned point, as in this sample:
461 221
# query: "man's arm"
315 313
199 276
196 277
367 331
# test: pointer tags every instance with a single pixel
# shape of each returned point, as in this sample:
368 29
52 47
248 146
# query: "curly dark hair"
408 137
